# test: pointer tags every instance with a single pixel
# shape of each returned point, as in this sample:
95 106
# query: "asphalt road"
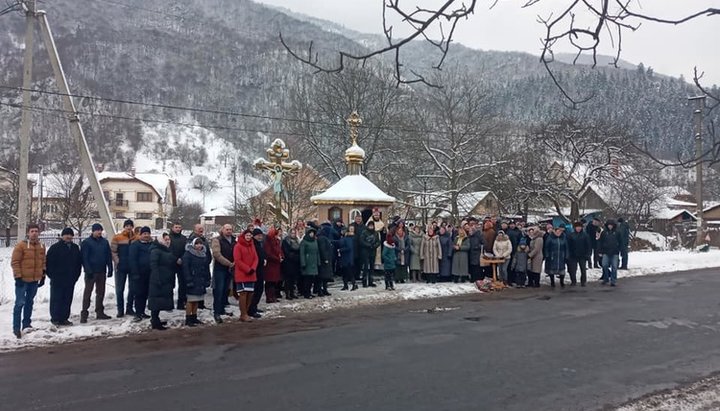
578 349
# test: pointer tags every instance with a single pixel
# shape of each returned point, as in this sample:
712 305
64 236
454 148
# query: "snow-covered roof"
217 212
160 182
353 189
552 212
710 205
668 214
678 204
466 202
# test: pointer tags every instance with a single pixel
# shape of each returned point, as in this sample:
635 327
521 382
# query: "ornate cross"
354 121
278 166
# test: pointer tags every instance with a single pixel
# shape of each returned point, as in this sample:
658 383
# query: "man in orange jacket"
28 265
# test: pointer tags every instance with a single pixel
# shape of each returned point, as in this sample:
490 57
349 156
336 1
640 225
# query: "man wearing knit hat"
120 247
139 258
97 264
64 264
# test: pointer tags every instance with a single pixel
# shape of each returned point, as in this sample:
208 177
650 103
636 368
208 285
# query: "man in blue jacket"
97 264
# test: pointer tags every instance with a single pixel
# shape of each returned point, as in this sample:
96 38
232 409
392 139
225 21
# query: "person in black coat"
514 235
609 246
592 230
178 242
64 264
369 242
358 227
346 249
290 266
162 280
623 229
580 253
327 259
139 256
258 238
476 245
196 277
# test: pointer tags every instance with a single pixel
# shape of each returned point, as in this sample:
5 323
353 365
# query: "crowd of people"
299 264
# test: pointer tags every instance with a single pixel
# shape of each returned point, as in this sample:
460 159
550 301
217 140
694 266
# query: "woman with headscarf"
402 249
274 257
291 264
415 239
246 261
197 278
446 246
162 280
309 261
431 254
460 258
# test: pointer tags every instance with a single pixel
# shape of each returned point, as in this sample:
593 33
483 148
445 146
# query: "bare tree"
187 213
458 123
323 103
75 206
572 157
9 186
583 25
203 184
636 191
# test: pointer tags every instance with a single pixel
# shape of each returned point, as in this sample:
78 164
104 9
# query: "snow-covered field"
656 239
641 263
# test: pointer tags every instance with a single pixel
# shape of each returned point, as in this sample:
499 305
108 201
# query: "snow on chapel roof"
353 189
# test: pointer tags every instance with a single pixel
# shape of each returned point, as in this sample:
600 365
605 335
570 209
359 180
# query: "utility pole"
26 121
235 207
698 114
40 195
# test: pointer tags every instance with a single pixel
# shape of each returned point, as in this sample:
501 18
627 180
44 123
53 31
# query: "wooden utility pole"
26 121
70 112
698 114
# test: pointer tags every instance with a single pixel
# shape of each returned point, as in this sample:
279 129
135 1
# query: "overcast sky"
672 50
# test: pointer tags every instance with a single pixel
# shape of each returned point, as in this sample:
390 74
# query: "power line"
148 120
230 113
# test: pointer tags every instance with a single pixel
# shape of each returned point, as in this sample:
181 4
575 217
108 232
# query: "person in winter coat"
415 239
535 257
609 246
623 229
369 243
28 264
431 254
97 265
380 233
162 280
327 259
460 259
359 227
346 250
514 234
196 278
274 256
222 248
520 263
593 230
309 261
246 261
389 259
291 264
476 246
503 249
402 249
178 245
258 241
64 264
446 245
556 252
489 236
120 248
139 257
580 253
199 232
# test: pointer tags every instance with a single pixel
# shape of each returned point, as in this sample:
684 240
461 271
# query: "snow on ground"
641 263
703 395
656 239
185 152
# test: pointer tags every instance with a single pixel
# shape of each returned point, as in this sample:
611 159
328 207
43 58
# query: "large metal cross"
278 166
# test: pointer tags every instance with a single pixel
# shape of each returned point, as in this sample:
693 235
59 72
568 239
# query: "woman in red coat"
245 259
274 256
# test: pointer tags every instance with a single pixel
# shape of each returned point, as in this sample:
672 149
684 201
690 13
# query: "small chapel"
353 194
